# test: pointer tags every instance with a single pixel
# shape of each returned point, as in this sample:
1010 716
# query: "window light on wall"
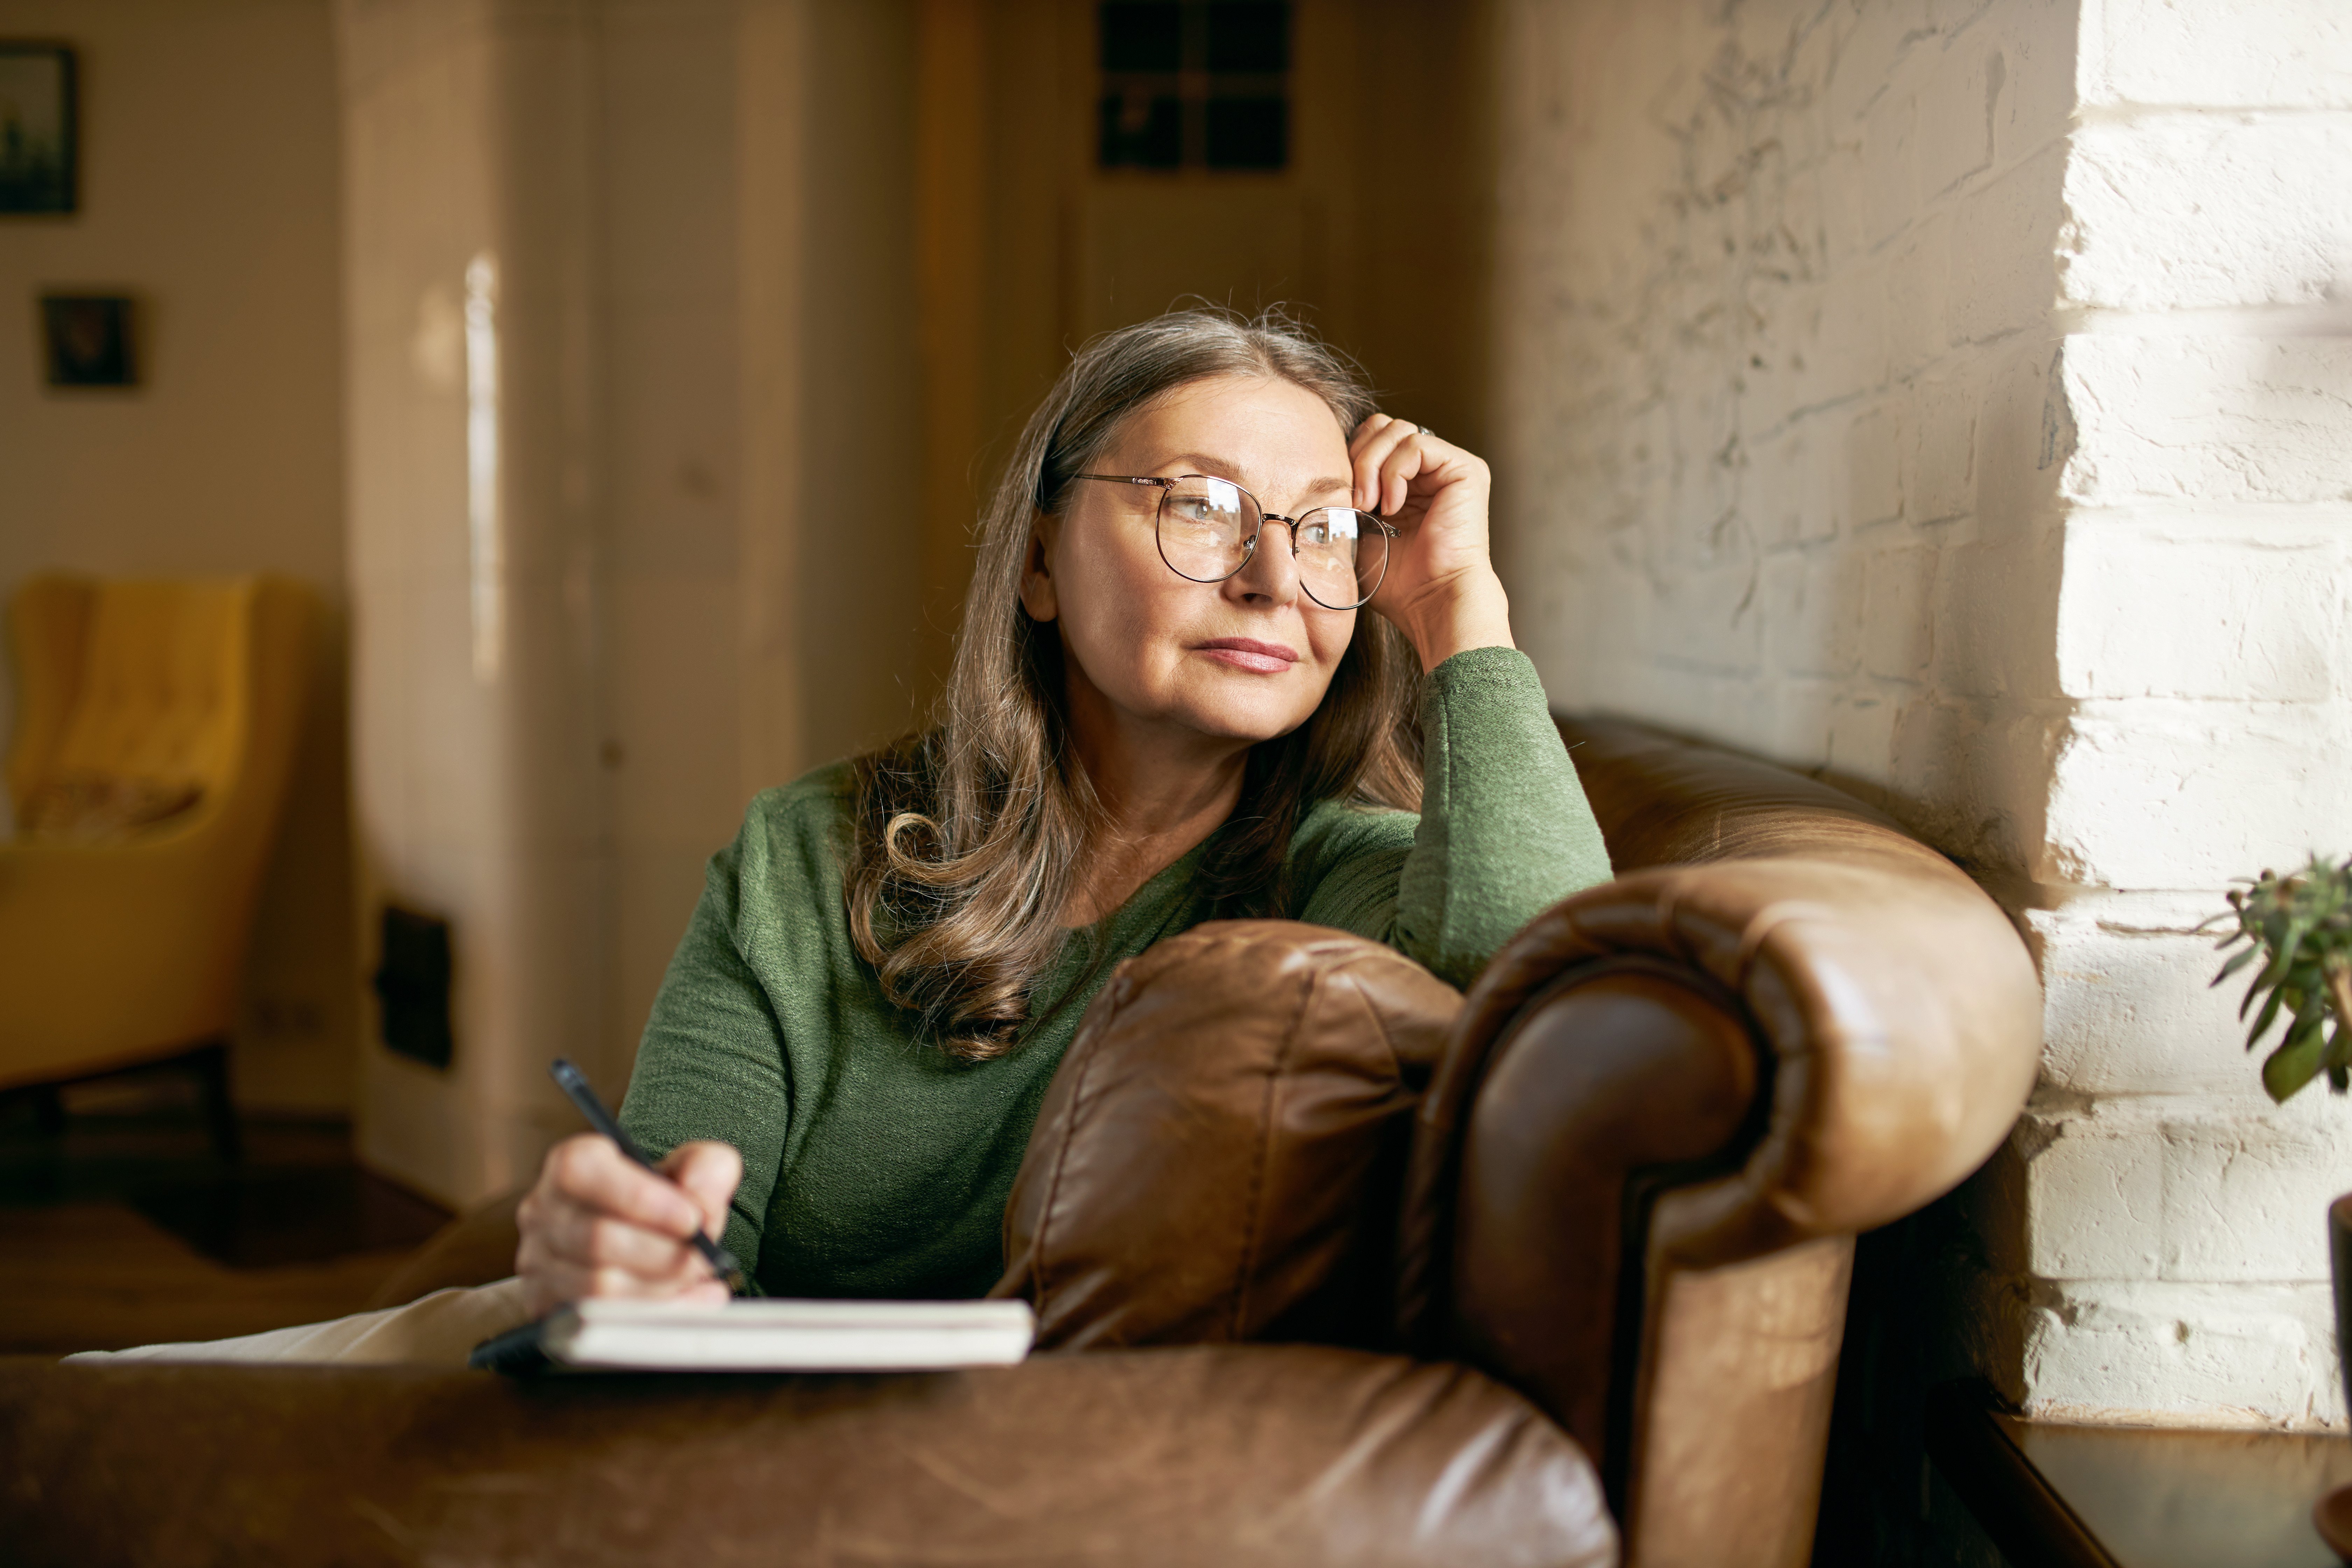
1203 84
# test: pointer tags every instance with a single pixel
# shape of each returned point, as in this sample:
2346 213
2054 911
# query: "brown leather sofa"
1330 1265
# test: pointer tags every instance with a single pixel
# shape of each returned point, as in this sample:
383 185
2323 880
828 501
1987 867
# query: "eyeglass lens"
1207 526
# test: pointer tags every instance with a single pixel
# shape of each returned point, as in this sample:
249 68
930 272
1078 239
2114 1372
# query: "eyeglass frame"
1167 487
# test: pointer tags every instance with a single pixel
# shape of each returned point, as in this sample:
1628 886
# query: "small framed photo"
89 339
37 128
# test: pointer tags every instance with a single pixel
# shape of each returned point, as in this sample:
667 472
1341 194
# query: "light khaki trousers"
432 1331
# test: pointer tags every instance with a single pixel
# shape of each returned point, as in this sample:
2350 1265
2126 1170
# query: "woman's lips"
1247 653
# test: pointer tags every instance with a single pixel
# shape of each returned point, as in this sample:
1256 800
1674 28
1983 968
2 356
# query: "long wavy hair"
969 834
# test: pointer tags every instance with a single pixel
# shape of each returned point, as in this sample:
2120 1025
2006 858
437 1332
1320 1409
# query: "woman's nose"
1270 574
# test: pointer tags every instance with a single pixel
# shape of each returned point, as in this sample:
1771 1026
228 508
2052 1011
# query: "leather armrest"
1669 1104
1898 1009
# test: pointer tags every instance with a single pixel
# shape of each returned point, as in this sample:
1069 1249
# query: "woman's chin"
1248 722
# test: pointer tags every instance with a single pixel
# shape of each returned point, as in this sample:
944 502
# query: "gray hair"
969 833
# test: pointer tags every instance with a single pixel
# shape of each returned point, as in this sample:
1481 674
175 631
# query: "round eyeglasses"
1208 530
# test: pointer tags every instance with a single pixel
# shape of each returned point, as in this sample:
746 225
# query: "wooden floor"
126 1230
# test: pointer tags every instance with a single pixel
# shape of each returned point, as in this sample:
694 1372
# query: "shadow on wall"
1784 416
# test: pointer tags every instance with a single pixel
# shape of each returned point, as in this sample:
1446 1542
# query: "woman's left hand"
1441 589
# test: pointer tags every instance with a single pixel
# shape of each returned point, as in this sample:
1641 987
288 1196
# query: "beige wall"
208 187
1379 234
707 482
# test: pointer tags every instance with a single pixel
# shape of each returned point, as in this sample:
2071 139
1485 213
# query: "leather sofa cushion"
1220 1155
1231 1456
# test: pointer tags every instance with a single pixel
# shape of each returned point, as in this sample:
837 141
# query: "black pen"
567 1078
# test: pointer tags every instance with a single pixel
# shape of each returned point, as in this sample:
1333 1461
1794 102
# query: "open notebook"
766 1334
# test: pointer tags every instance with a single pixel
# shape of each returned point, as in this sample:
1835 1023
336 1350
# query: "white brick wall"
1957 398
2178 1236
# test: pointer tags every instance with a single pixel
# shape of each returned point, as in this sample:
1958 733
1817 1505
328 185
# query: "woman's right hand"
598 1223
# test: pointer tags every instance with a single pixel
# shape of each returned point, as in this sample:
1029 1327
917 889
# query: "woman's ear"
1037 594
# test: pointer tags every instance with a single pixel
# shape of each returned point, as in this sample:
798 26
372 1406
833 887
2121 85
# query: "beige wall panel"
209 194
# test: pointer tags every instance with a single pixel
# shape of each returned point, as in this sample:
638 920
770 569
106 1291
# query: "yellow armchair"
129 949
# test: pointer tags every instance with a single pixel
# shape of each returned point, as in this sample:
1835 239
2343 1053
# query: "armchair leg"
211 1065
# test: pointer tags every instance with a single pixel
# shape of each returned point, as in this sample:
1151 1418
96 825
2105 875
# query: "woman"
1167 706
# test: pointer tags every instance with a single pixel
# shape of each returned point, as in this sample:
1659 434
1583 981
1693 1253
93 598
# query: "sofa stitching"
1380 1022
1085 1048
1253 1203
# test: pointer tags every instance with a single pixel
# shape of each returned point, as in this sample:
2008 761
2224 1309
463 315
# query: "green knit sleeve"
1505 830
711 1063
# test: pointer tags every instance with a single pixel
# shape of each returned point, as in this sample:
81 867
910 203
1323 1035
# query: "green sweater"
875 1164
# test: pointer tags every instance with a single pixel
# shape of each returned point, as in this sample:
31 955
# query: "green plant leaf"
2283 948
2292 1066
2269 1014
2238 962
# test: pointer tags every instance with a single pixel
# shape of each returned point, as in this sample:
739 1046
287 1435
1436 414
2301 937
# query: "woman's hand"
598 1223
1441 589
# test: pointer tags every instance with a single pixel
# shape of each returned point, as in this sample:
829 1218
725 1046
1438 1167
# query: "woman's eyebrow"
1213 468
1221 469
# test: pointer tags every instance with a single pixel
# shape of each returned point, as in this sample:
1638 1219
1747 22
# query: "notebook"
766 1334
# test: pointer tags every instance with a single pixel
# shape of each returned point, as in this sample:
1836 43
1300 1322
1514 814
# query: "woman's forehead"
1253 430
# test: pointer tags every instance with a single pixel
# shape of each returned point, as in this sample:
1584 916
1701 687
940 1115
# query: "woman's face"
1244 659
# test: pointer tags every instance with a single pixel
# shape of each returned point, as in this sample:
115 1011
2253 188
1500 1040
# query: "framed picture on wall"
37 128
89 340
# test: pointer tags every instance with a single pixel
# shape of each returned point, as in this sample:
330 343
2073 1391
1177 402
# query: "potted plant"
2299 927
2302 925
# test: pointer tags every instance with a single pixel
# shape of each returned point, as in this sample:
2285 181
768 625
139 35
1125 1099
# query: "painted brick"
1870 469
2254 614
2245 1197
2025 433
1706 620
2004 276
1812 609
2153 794
2212 420
1897 630
2094 1201
2037 43
1852 457
1843 339
1870 40
1776 494
1994 600
2131 1006
1800 712
1957 105
1940 449
1918 291
1889 170
1861 735
2237 1355
2298 57
2185 211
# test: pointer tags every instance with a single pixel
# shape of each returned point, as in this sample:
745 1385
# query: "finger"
710 1171
568 1282
549 1280
1404 462
622 1283
589 1171
1371 425
1373 450
594 1240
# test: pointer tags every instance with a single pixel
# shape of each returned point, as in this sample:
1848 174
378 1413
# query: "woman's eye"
1203 513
